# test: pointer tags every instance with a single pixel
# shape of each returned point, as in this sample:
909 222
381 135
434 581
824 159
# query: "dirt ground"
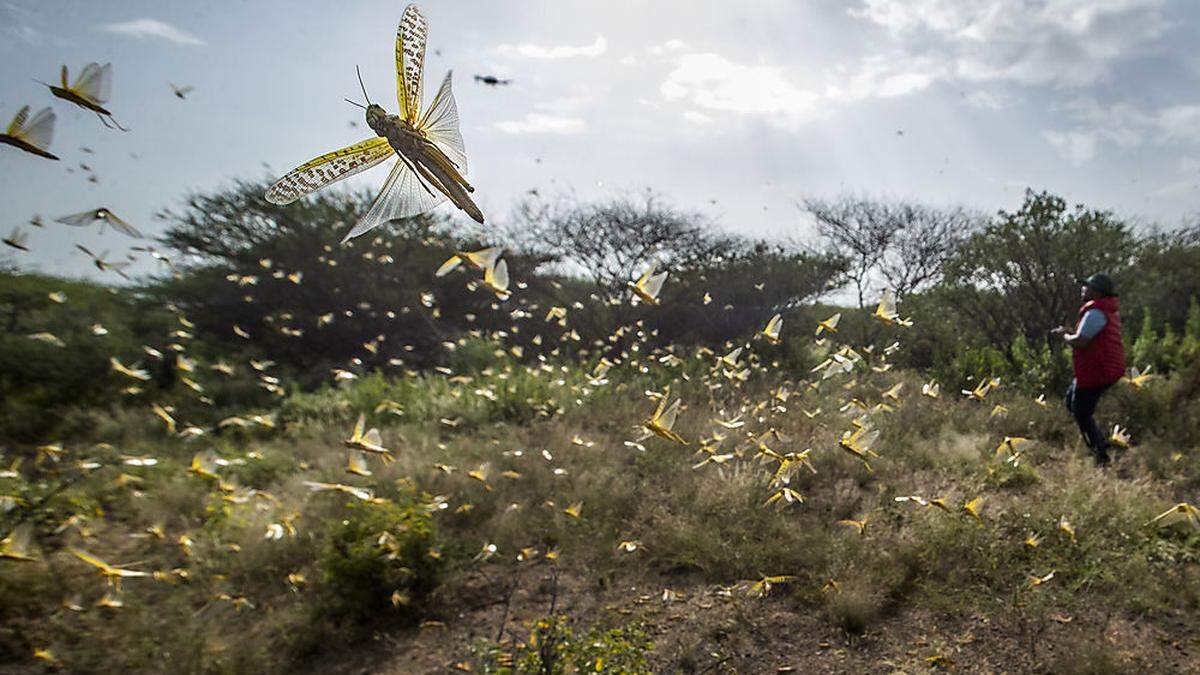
703 630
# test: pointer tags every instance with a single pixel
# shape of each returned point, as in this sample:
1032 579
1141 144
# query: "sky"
737 111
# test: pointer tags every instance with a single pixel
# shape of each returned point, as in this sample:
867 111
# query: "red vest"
1102 362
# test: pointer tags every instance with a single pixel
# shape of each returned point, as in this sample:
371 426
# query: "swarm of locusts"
729 429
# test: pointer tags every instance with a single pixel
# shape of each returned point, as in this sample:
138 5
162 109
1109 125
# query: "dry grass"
697 527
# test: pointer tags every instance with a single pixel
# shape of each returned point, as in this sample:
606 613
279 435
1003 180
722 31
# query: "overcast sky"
737 110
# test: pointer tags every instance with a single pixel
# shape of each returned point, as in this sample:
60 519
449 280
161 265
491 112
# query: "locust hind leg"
452 189
116 123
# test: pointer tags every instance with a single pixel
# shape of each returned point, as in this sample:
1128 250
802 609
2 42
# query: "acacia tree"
904 244
1167 277
1018 275
282 275
610 241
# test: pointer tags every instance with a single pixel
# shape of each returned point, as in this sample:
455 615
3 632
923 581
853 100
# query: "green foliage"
39 379
378 550
1018 275
554 647
1167 350
312 303
1164 275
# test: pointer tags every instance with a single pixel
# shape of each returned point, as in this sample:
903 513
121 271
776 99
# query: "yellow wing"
328 169
496 278
667 419
18 122
440 125
410 62
91 560
403 195
448 266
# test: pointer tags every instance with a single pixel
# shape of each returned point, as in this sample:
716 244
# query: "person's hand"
1058 330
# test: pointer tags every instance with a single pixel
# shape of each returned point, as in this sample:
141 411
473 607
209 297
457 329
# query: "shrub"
554 647
378 552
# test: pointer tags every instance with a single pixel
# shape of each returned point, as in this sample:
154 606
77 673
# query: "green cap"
1100 282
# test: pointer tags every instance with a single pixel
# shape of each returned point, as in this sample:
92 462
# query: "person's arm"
1090 325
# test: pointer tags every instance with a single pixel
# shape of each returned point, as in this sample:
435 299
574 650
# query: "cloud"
1180 122
1077 147
1065 43
532 51
17 22
537 123
696 117
566 104
25 33
153 28
883 77
1121 125
984 100
672 45
711 81
1186 186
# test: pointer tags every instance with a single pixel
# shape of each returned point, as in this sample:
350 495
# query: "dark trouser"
1082 404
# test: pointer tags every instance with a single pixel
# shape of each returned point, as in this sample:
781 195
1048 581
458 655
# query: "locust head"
375 118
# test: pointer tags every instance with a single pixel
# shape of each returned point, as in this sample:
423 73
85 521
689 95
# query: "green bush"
554 647
379 551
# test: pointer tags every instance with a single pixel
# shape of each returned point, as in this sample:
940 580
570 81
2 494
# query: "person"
1097 357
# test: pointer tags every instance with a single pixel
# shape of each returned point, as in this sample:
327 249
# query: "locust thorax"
376 116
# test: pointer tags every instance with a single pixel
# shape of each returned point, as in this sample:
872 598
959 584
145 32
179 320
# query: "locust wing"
122 226
328 169
40 130
404 194
94 82
440 125
16 127
78 219
411 35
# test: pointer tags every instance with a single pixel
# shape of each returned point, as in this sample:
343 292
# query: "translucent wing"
440 124
328 169
19 543
498 276
373 438
123 226
88 82
40 131
662 405
654 284
410 62
485 257
105 83
887 304
667 419
78 219
18 122
774 326
403 195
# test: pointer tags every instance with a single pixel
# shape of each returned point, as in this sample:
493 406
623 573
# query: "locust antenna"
355 103
364 87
